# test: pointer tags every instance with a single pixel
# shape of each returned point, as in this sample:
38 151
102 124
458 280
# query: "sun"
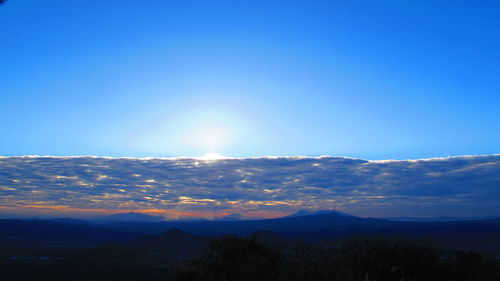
211 156
209 137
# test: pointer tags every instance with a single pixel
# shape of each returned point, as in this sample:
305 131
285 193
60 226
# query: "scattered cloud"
265 186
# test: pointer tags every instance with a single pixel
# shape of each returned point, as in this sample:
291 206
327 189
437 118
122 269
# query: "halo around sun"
211 156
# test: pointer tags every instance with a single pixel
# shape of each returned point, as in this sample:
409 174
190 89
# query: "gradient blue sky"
368 79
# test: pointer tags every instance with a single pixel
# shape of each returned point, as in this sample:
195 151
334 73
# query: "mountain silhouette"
319 212
231 217
129 217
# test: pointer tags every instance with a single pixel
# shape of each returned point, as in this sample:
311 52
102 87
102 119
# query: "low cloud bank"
266 186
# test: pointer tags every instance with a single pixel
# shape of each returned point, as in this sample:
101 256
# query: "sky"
260 187
367 79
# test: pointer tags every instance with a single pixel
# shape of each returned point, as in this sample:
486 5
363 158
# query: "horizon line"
200 158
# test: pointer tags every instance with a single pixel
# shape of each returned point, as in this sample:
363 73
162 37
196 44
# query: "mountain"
330 226
330 221
158 238
234 217
129 217
319 212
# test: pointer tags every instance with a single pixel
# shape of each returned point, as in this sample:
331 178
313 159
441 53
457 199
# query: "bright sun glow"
210 137
211 156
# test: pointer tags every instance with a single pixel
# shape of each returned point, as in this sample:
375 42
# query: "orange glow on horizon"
171 214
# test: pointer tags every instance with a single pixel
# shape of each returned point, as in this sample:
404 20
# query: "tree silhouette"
367 258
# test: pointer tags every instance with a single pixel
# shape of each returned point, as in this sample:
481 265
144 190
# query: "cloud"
465 185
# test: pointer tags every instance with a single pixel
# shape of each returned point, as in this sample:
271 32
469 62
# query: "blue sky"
367 79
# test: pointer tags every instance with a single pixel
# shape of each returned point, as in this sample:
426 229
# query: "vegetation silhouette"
45 250
362 258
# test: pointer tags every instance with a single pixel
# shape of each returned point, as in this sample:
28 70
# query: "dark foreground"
361 258
262 256
329 246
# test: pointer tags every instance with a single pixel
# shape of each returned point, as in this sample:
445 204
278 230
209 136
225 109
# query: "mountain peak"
232 217
174 232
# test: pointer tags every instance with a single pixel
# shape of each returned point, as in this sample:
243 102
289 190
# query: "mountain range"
303 225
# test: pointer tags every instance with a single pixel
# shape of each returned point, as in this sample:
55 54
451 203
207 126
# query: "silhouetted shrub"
234 258
358 259
472 266
379 258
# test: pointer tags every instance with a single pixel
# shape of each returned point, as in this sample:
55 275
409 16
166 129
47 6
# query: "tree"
235 259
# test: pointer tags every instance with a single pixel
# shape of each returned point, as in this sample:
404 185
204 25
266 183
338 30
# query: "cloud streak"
265 186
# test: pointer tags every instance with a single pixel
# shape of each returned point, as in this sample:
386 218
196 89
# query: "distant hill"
439 219
332 226
129 217
231 217
40 232
314 222
234 217
70 221
304 226
320 212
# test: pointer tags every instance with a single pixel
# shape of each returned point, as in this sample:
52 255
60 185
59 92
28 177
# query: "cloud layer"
267 186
